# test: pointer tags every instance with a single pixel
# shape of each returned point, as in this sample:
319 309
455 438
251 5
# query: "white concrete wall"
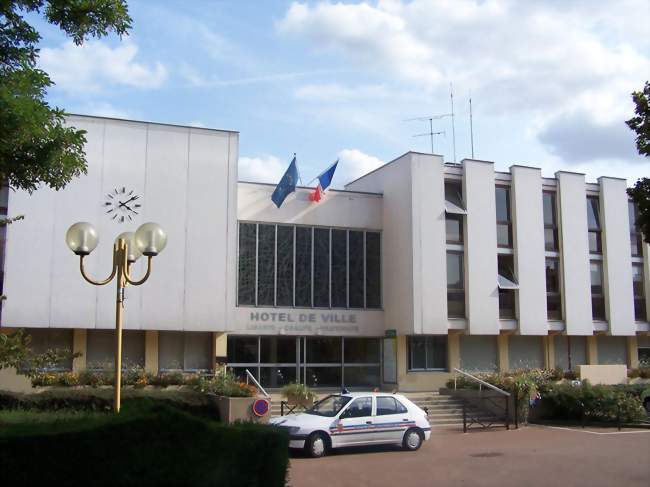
429 245
186 179
617 268
482 295
394 181
337 208
576 291
528 232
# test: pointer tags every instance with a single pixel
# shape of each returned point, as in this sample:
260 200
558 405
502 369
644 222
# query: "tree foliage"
640 124
15 351
36 147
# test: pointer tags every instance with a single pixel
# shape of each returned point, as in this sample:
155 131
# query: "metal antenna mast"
430 119
453 125
471 124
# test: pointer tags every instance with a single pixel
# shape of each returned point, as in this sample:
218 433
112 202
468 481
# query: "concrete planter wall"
232 409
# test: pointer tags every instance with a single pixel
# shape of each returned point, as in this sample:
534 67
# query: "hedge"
148 443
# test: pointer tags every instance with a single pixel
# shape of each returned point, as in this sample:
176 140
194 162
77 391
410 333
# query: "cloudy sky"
549 81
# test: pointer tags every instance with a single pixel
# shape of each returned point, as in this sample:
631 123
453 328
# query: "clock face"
122 205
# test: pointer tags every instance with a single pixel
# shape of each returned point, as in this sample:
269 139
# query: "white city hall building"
415 269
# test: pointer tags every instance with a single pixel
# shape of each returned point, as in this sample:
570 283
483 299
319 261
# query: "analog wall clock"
122 204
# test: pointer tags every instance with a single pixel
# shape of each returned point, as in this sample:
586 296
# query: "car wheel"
413 439
316 445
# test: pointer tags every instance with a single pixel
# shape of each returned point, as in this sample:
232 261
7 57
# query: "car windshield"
330 406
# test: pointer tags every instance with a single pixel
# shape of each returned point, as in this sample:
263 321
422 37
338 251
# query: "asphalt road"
528 457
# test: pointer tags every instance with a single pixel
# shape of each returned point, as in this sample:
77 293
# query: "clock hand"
129 200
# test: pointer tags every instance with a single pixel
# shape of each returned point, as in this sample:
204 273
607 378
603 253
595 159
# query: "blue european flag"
286 185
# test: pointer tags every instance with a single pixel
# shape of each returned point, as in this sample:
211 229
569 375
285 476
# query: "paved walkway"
531 456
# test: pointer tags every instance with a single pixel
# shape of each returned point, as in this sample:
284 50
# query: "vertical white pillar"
528 231
481 248
576 276
619 295
429 244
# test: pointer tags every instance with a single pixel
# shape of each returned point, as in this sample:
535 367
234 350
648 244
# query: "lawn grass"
148 443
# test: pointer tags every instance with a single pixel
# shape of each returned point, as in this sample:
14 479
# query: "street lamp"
149 240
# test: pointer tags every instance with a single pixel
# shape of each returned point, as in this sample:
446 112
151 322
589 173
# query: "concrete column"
402 363
219 347
151 351
503 358
549 352
79 345
632 353
453 351
592 350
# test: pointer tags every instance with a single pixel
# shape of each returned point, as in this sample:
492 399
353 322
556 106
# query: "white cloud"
103 109
353 164
88 68
262 169
548 61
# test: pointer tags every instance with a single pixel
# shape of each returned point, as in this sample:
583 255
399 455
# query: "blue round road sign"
261 407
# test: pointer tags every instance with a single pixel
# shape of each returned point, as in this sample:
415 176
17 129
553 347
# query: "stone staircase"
443 410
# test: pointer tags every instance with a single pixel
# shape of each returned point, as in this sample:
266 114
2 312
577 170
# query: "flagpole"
298 170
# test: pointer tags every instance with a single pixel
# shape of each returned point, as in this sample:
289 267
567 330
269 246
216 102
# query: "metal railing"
251 377
476 415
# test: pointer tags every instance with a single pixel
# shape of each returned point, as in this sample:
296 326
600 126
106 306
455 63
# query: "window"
553 298
287 266
550 222
454 192
389 405
359 408
597 297
454 226
639 295
504 224
428 352
636 242
507 283
593 223
247 263
455 285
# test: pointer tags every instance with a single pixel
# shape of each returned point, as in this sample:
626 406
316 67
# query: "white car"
354 419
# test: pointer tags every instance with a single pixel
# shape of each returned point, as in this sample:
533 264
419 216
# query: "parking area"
530 456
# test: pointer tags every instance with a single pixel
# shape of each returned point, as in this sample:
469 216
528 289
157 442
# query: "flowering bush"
224 383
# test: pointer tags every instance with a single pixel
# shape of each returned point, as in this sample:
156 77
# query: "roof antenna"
453 126
471 124
430 133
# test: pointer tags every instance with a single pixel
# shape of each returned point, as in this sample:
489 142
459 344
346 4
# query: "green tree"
640 124
36 147
15 352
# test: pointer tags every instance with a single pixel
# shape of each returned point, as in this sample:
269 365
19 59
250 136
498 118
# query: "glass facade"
506 268
597 297
315 360
295 266
639 294
427 352
455 285
636 241
593 224
504 223
553 297
550 222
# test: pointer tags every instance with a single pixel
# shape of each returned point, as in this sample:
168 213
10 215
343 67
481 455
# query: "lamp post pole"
149 240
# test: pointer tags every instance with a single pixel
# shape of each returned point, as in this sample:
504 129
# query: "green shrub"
148 443
591 403
299 394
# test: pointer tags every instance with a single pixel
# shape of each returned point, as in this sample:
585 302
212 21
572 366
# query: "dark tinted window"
321 268
247 242
359 408
242 350
285 266
339 269
356 272
389 405
373 270
454 192
266 265
303 266
454 227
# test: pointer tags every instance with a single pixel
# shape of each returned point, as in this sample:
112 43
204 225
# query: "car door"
355 423
391 419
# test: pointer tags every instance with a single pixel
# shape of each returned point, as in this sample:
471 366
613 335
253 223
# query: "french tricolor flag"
324 181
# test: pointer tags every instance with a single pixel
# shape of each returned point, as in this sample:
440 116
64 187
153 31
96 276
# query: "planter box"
232 409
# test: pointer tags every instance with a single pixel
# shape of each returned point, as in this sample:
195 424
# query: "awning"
454 209
505 283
